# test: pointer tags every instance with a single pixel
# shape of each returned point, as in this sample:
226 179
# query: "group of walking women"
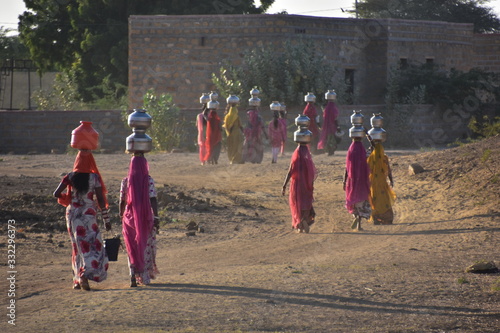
368 193
83 193
243 143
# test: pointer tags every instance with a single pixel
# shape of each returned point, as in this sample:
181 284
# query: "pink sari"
358 181
201 137
138 215
303 174
329 128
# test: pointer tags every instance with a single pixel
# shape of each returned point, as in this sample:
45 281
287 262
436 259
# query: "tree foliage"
459 11
11 47
429 84
88 39
284 73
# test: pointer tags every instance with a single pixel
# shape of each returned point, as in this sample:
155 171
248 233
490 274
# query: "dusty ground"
248 272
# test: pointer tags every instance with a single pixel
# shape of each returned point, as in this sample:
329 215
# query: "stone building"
178 54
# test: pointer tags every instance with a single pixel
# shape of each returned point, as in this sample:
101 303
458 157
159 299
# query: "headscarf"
138 215
330 114
84 163
379 188
230 118
303 173
358 182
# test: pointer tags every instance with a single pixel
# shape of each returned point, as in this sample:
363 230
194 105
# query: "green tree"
459 11
88 39
11 47
284 73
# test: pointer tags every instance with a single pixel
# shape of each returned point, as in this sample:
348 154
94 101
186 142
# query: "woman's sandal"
76 285
133 282
84 283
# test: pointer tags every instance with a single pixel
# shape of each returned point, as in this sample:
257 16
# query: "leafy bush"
285 73
166 129
486 128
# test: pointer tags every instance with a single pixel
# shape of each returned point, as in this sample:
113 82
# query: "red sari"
303 173
214 136
311 112
329 128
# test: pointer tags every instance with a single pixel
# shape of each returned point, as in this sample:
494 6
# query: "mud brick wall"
24 132
178 54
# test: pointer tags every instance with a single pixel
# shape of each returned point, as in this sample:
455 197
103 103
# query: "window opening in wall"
403 63
300 31
429 61
349 80
202 41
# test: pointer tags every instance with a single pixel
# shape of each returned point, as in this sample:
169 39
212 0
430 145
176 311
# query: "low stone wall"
24 132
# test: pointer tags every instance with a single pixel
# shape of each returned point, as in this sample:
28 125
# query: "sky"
11 9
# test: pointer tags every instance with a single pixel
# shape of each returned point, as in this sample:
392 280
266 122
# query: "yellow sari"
382 196
234 140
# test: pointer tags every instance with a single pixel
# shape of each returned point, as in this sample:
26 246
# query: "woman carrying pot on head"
302 174
84 186
234 131
140 222
328 138
201 125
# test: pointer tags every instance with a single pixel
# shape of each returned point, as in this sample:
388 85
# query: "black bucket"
112 245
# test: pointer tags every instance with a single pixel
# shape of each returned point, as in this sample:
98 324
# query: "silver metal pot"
331 95
139 141
378 134
139 119
205 98
233 99
357 118
377 120
310 97
275 106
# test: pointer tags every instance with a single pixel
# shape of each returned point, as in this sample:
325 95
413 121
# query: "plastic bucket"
112 245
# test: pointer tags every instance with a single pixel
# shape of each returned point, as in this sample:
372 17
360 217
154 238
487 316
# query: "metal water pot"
357 131
139 119
302 121
139 141
302 136
377 120
233 99
205 98
283 106
377 133
213 105
331 95
310 97
254 101
357 118
275 106
214 96
254 92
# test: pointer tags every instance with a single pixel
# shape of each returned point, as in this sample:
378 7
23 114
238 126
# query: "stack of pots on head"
139 141
357 130
254 101
213 104
84 137
377 133
303 135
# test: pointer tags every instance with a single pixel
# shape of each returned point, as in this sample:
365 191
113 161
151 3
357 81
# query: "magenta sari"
329 128
358 181
138 216
303 174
